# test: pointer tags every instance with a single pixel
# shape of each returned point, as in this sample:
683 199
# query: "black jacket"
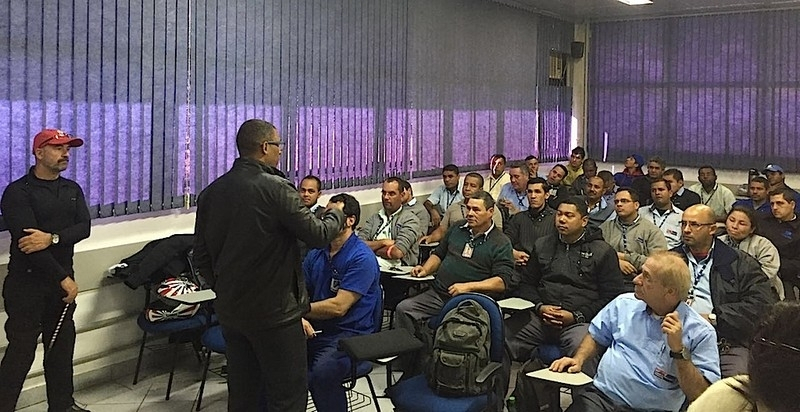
786 238
583 276
52 206
740 292
246 231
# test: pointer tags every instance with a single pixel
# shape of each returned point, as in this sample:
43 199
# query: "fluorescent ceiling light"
636 2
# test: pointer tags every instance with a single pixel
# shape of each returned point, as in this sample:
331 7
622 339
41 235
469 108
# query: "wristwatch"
579 318
712 319
683 354
55 238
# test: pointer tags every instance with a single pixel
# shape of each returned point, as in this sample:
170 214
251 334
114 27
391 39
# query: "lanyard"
383 226
697 274
713 192
492 185
664 219
521 200
450 199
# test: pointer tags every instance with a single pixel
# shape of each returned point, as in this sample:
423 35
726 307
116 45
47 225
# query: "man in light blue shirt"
513 197
659 350
444 196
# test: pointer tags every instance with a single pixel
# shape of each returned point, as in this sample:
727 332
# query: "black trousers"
34 306
267 364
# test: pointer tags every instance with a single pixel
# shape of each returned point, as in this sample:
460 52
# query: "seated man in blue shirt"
659 350
343 282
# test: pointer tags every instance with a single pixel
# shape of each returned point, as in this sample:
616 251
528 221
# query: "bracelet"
389 251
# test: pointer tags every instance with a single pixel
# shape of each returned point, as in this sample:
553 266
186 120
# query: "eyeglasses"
764 341
278 143
694 225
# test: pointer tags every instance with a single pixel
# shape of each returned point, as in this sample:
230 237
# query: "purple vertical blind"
720 89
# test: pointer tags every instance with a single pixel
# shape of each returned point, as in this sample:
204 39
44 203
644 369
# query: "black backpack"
460 351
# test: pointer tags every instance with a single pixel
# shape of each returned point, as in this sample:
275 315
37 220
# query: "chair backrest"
495 318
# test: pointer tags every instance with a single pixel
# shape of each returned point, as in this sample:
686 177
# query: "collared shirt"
720 198
493 185
669 222
443 198
520 201
637 370
700 293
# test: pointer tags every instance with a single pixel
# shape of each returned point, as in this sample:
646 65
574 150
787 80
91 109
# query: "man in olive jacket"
246 231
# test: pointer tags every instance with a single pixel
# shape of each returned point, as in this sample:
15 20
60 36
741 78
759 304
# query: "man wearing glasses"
728 287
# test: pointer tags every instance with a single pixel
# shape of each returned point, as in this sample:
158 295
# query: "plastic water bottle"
511 404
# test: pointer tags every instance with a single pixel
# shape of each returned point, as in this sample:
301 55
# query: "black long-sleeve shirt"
52 206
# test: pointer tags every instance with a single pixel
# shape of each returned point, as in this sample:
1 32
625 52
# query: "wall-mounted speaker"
576 49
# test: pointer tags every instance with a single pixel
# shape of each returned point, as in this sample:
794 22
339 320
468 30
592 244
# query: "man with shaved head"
728 288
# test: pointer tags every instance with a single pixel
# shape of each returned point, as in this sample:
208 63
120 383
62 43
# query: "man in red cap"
46 215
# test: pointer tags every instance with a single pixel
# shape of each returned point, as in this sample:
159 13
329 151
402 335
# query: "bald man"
728 289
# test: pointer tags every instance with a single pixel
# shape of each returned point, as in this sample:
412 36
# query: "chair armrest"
380 345
487 371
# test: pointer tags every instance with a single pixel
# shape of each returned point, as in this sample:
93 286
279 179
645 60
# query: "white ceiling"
603 10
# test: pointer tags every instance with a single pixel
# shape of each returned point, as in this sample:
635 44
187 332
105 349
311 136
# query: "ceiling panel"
601 10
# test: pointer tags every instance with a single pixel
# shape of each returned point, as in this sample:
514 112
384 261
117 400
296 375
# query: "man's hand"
308 329
550 315
424 240
35 241
627 268
337 205
435 217
458 288
520 258
570 365
419 272
672 327
71 288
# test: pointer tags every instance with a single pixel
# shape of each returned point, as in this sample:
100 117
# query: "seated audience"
633 169
525 228
729 289
716 196
682 198
599 209
342 280
392 233
609 185
589 170
777 180
655 170
457 213
513 197
782 228
411 204
664 215
558 190
498 177
474 257
740 227
771 383
310 190
571 275
533 166
631 236
758 196
444 196
575 165
658 351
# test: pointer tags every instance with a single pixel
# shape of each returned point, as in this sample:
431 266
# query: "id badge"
690 300
467 252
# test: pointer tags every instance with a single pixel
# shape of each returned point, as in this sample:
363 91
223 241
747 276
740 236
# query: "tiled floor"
148 395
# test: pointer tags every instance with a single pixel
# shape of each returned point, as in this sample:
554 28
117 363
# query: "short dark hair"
788 194
774 356
252 134
578 150
661 180
564 168
450 168
676 173
634 194
405 185
707 167
749 212
531 157
394 179
314 178
499 156
351 206
475 175
589 162
488 200
659 160
760 179
539 181
579 203
606 176
521 166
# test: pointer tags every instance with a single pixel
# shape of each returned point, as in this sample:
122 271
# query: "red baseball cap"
55 137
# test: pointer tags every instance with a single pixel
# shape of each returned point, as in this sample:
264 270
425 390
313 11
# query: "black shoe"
76 407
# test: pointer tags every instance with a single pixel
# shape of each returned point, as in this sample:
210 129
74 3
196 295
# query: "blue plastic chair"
414 394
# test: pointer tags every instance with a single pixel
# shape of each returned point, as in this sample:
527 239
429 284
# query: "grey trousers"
417 308
536 332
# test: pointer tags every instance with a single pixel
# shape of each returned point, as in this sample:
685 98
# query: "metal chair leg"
139 359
